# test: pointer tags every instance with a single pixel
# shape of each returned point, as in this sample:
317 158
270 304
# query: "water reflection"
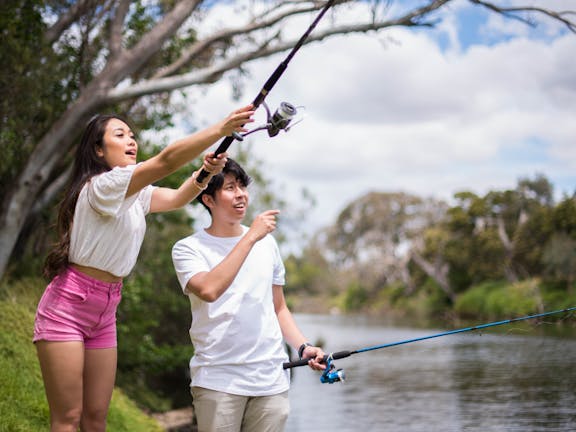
463 382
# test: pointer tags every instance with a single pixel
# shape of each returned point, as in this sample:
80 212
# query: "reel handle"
304 362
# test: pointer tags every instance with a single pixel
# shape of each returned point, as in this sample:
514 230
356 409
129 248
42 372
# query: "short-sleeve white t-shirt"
108 228
237 339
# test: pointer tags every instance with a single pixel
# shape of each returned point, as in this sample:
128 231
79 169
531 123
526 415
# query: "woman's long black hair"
87 164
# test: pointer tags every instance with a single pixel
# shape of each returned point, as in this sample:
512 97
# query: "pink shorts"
77 307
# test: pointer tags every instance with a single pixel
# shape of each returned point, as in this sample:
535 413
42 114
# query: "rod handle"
304 362
221 149
297 363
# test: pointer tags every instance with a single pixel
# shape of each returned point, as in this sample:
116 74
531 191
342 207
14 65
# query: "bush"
354 298
500 300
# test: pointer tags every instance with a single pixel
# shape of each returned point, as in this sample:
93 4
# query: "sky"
475 104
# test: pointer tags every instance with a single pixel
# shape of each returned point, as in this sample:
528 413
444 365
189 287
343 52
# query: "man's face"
231 201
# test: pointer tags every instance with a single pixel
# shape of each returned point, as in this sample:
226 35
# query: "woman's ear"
99 151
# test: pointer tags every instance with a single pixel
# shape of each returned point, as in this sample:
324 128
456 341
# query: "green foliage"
559 258
309 273
556 296
425 257
530 240
124 416
39 80
154 346
499 235
397 304
499 299
30 85
354 298
23 406
564 216
434 301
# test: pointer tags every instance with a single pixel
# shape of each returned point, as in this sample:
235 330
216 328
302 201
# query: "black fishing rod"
331 375
284 114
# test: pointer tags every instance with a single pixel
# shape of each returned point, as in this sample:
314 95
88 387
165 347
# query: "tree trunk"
60 137
437 271
37 172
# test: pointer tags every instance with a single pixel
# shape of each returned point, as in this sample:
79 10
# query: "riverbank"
179 420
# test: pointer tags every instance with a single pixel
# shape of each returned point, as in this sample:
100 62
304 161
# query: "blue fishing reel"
331 374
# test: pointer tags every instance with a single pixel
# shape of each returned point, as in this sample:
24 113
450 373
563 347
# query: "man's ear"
208 200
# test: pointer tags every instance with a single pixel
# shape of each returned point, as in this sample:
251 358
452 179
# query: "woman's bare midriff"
101 275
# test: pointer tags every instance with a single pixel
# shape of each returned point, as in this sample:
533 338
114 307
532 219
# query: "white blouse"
108 228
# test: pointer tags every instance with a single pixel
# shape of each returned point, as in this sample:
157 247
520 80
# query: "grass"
23 405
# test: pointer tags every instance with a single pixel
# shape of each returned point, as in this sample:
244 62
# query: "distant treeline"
506 251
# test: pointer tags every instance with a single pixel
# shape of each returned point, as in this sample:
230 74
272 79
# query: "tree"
429 254
374 237
559 255
65 60
499 236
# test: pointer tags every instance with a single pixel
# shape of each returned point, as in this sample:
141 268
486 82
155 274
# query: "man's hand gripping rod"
268 85
304 362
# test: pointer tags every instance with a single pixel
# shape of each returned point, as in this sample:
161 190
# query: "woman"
101 225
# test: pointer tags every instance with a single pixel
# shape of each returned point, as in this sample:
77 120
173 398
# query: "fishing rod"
286 112
331 375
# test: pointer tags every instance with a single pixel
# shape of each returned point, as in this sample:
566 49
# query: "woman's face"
119 145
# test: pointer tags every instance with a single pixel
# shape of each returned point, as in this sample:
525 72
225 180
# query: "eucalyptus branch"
200 47
512 12
76 10
161 82
129 61
116 28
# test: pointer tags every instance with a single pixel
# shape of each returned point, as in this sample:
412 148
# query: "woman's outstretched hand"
236 120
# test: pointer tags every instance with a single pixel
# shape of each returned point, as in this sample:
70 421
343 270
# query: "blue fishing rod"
332 375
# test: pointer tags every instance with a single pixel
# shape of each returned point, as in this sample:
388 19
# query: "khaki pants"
223 412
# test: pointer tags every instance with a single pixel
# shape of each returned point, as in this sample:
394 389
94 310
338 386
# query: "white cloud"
407 115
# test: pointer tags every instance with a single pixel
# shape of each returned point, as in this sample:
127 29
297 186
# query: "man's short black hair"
216 182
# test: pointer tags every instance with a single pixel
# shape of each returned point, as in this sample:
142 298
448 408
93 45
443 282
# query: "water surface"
477 382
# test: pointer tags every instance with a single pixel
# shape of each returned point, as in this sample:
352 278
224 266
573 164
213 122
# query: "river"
519 380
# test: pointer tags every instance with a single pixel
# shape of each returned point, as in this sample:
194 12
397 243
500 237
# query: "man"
234 277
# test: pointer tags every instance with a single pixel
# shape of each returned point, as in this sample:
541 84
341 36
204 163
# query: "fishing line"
331 375
284 114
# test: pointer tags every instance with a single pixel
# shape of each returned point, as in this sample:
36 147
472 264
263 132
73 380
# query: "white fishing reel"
280 120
